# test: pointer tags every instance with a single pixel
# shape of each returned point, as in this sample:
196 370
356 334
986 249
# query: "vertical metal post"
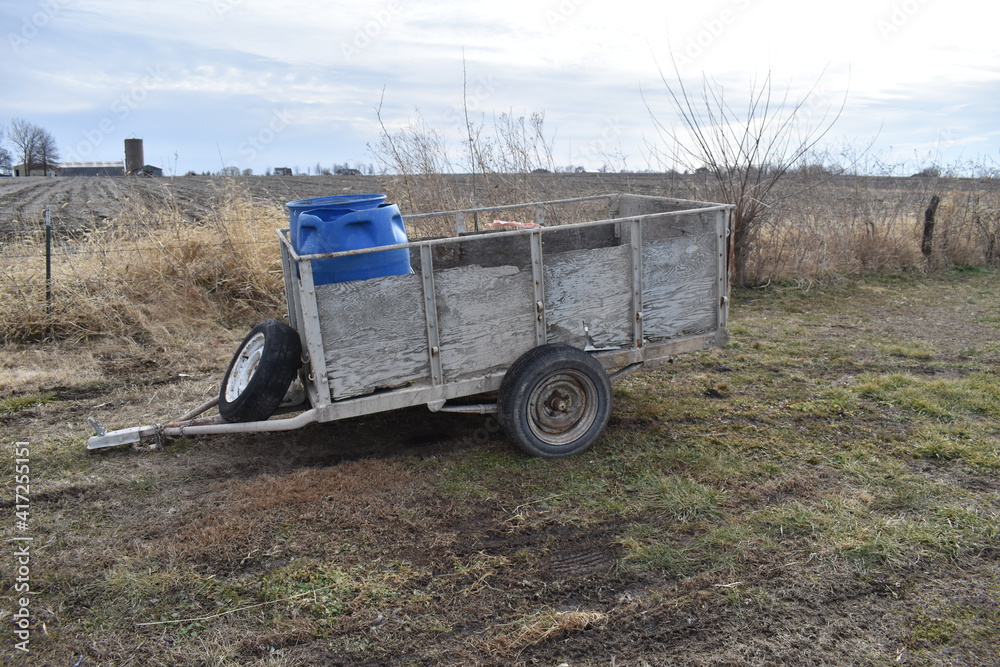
540 215
48 268
288 268
722 227
313 335
538 279
430 312
635 238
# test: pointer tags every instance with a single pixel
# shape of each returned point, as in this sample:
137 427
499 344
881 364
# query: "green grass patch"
993 320
16 404
977 395
907 349
975 445
721 548
953 625
679 499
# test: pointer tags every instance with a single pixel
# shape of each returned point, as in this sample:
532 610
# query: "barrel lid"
346 201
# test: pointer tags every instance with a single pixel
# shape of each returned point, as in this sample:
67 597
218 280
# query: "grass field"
825 489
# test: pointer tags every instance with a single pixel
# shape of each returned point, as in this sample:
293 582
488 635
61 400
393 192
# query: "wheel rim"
562 407
244 367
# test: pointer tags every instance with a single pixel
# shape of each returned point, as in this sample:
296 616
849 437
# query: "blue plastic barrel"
328 208
368 228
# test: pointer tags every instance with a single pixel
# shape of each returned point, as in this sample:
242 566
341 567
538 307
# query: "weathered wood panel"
591 286
486 317
675 226
374 333
487 248
565 239
680 286
628 205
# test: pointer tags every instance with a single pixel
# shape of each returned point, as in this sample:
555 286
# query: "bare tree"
48 152
24 136
5 159
746 150
36 148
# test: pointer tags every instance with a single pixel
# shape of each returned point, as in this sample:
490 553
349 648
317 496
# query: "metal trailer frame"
630 216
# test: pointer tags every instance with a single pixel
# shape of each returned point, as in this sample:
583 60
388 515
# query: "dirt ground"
80 202
445 570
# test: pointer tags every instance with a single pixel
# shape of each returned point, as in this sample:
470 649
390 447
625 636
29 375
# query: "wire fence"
131 277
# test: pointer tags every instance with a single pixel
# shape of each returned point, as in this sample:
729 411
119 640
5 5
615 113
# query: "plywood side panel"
486 317
680 285
591 286
374 333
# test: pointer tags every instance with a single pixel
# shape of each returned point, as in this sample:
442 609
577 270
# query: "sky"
259 84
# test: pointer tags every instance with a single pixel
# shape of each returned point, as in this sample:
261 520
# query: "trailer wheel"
260 372
554 401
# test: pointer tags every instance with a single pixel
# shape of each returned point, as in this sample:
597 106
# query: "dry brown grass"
861 225
540 627
247 514
150 274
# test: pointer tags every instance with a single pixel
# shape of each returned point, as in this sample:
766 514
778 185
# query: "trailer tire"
555 400
260 373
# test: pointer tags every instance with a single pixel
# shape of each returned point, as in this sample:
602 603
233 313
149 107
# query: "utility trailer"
535 320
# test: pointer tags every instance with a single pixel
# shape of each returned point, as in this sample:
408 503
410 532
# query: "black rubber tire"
555 400
260 373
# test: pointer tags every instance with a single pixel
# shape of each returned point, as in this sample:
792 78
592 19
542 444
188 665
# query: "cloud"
225 67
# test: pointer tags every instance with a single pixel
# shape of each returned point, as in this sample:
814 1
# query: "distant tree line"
319 170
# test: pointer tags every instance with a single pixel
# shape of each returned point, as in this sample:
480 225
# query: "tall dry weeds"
851 224
494 167
150 274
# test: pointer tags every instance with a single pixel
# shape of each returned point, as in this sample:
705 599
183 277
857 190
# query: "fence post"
925 242
48 269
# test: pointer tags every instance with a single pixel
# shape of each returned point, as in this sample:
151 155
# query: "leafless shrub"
419 171
746 149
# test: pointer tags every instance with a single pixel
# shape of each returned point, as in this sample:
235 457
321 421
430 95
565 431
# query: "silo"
134 160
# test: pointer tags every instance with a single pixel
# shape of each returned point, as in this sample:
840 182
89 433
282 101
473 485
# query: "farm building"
35 170
149 170
91 169
282 171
